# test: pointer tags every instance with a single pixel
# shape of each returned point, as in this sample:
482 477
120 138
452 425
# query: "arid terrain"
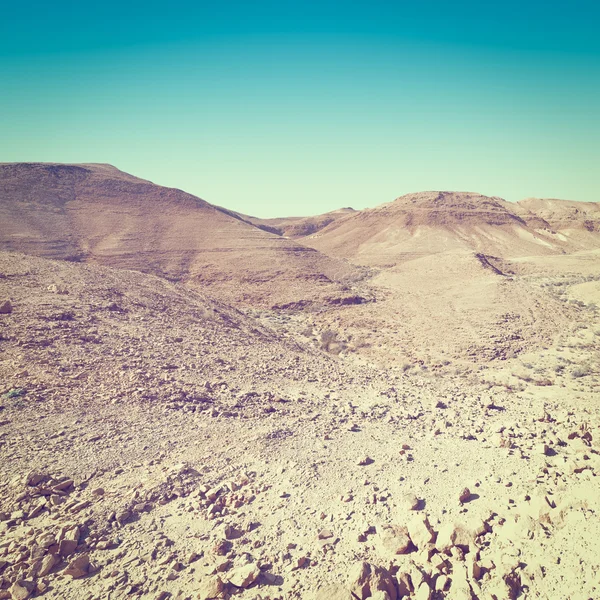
397 402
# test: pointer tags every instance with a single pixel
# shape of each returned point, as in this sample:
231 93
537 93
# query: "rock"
424 592
21 589
78 567
48 563
35 478
380 596
123 516
211 588
446 537
63 485
365 460
464 496
441 583
409 502
544 449
394 539
67 547
332 592
46 540
438 562
366 579
5 307
230 532
325 534
460 588
245 576
405 587
420 531
57 289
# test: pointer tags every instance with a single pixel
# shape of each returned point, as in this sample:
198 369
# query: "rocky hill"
432 222
98 214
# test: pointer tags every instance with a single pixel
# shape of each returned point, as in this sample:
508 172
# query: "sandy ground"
157 443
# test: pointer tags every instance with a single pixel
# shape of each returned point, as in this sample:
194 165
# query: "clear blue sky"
279 108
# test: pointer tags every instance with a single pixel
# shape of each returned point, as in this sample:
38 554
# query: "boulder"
420 531
365 579
211 588
78 567
393 539
245 576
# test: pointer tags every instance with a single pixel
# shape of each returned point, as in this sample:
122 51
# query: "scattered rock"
464 496
409 502
244 576
210 588
394 539
78 567
22 589
365 579
5 307
420 531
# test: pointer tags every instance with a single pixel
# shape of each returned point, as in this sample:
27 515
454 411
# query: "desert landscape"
393 402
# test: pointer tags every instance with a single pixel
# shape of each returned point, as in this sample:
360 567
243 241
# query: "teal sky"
277 108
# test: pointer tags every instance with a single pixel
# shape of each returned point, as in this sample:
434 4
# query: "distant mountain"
427 223
96 213
566 216
297 227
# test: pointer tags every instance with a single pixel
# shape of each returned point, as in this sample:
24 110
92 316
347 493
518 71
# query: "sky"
280 108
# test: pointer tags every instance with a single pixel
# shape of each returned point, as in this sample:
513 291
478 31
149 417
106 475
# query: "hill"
426 223
96 213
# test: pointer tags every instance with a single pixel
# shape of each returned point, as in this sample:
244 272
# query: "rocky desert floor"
156 443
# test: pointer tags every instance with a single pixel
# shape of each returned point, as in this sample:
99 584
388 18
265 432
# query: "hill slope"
96 213
432 222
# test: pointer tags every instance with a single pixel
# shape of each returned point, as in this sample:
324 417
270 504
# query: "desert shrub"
331 343
14 393
579 372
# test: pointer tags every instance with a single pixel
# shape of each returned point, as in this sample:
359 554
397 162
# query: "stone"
420 531
441 583
446 537
409 502
332 592
5 307
35 478
365 579
78 567
48 563
21 589
393 539
460 588
404 582
211 588
46 540
325 534
230 532
244 576
464 496
365 460
57 289
438 562
67 547
424 592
